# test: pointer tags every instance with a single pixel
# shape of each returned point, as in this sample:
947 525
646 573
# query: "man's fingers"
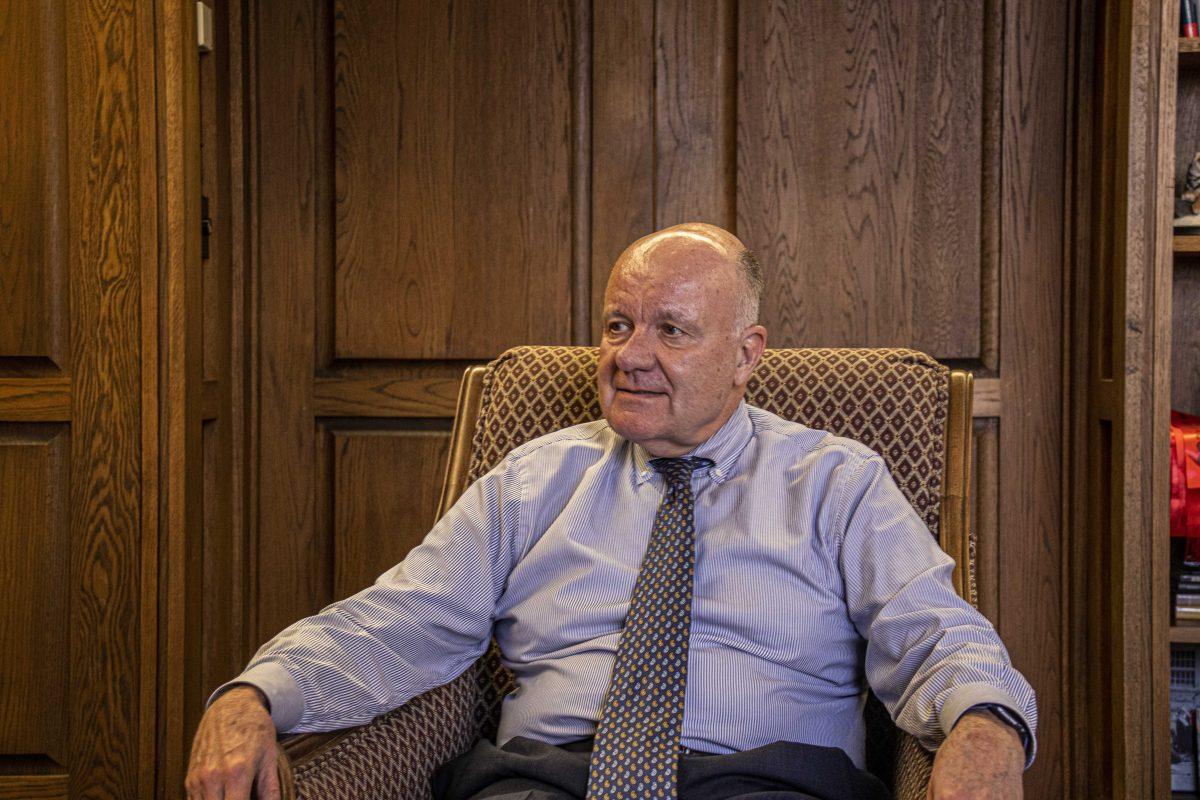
267 783
228 781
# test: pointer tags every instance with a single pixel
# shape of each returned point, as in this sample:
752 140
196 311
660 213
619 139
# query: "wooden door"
1125 357
78 536
435 182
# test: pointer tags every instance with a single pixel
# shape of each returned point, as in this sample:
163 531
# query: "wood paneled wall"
427 184
78 271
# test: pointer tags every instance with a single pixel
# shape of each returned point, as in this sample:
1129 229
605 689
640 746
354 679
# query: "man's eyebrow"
679 314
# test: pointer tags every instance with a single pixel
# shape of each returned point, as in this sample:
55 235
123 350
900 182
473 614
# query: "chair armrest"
392 757
913 766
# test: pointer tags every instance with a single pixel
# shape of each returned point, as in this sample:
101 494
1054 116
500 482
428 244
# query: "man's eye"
671 330
617 326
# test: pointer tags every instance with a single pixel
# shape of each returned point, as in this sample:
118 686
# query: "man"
690 593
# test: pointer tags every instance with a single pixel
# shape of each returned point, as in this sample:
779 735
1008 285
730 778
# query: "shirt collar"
723 448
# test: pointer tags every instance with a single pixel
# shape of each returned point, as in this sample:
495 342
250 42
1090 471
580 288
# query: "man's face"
673 365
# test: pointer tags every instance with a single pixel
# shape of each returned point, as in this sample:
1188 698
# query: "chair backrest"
910 409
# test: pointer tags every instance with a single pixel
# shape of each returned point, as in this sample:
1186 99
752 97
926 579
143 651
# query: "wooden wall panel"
453 196
33 175
859 171
385 486
78 250
428 194
1031 447
34 628
222 620
286 131
664 116
112 231
623 152
695 63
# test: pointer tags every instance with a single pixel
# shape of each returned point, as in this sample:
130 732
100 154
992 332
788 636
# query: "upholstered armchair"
909 408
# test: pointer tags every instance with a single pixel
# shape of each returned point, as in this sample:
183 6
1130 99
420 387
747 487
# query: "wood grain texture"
223 584
33 190
1187 245
181 375
859 151
233 76
581 172
35 549
34 787
384 396
111 174
35 399
1030 554
664 123
288 167
992 107
859 148
695 63
623 120
987 397
385 487
453 235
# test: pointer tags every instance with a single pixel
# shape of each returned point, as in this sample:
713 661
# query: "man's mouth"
640 392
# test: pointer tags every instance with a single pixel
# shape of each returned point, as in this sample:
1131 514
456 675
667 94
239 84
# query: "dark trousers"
527 770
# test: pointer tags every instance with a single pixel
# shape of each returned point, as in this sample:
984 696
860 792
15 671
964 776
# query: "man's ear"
750 350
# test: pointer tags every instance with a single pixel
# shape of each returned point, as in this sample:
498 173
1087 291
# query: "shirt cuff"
968 696
284 699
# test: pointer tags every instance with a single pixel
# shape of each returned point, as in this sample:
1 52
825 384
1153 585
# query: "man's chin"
634 427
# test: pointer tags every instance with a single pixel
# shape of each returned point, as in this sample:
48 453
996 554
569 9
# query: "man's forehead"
699 242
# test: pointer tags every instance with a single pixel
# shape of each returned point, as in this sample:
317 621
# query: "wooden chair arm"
287 778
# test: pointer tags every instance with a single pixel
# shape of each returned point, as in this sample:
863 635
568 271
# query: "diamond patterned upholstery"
895 401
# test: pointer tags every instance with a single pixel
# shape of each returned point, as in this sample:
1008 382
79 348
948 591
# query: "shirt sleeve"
930 656
420 625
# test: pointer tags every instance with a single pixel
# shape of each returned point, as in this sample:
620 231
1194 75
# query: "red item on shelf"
1185 480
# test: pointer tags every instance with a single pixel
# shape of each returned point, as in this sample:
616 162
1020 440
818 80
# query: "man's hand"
981 759
234 749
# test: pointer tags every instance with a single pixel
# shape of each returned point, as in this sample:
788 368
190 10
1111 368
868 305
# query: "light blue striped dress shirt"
814 577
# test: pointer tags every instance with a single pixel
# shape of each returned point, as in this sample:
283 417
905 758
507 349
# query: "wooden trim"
1155 418
35 399
581 174
466 414
180 391
52 786
384 397
956 491
1185 245
112 242
210 400
986 397
1184 634
1189 55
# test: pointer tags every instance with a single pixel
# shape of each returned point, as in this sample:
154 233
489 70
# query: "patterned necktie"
637 739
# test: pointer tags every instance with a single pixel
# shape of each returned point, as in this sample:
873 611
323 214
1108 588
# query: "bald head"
679 342
707 247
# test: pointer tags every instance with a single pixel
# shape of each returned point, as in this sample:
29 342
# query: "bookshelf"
1183 322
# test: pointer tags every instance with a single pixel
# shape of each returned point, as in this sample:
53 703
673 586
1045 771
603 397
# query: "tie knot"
678 471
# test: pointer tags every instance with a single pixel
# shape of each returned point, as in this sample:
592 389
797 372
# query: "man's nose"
636 352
